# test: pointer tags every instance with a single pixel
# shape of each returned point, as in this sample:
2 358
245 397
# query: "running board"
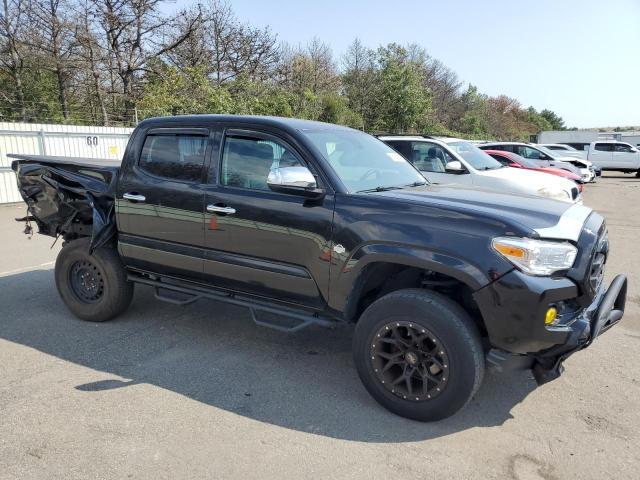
183 295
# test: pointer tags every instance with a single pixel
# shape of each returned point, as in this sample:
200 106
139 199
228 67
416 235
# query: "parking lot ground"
201 392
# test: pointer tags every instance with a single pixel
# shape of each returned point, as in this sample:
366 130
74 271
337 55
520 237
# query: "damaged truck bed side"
67 196
307 223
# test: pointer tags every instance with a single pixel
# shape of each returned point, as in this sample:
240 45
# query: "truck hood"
530 215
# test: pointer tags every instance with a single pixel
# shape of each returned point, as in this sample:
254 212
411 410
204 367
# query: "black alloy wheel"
410 361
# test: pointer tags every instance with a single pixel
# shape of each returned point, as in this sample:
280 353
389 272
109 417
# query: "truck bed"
69 196
57 160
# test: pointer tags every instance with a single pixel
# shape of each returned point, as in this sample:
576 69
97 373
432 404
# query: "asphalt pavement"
201 392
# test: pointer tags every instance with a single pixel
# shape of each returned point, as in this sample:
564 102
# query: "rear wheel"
94 287
418 354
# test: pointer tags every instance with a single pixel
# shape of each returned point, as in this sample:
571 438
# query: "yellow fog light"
550 316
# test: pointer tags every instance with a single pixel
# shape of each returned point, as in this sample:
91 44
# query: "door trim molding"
215 255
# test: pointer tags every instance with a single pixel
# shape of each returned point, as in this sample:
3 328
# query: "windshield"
474 156
549 152
363 162
540 163
528 163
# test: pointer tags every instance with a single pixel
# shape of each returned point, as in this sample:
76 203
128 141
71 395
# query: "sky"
579 58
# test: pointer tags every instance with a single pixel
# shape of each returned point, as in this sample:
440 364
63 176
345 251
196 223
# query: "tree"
403 103
54 42
235 48
132 38
556 121
309 74
12 52
102 61
360 82
90 62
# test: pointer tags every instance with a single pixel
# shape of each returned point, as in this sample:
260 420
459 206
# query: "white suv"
447 160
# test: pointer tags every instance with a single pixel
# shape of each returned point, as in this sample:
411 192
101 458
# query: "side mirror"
294 181
514 165
454 167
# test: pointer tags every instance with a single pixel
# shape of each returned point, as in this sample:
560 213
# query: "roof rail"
424 135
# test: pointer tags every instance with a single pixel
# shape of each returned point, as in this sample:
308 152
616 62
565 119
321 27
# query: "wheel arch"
376 270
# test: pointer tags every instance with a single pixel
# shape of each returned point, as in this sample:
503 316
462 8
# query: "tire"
93 287
638 174
451 347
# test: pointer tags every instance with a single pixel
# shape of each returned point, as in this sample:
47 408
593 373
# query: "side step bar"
301 319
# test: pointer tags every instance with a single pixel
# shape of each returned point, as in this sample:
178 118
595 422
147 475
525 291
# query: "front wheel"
418 354
94 287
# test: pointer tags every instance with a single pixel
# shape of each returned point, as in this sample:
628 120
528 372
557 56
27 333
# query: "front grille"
596 269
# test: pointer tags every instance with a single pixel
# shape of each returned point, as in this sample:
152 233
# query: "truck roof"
282 122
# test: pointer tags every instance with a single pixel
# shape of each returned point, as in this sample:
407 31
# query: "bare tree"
12 60
194 51
237 49
359 80
53 37
323 69
91 59
134 35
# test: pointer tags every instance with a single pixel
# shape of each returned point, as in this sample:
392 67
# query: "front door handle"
135 197
220 209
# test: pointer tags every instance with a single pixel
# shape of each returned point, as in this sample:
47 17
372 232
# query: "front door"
624 156
160 201
259 241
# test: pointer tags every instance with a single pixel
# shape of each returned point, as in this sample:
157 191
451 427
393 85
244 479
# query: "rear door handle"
135 197
220 209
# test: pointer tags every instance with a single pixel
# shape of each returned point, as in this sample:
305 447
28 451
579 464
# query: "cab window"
246 162
622 148
604 147
176 157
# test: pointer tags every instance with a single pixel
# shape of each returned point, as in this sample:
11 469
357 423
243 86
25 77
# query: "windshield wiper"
378 189
416 184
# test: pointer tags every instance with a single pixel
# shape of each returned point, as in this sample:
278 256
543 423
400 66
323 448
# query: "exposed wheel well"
379 279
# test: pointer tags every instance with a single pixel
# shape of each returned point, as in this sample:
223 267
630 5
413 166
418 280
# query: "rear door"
160 201
601 154
259 241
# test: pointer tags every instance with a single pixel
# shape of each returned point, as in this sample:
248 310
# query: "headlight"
555 194
536 257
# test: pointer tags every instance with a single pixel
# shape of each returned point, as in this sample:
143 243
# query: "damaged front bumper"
606 310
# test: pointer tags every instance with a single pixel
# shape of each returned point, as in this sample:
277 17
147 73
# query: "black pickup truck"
307 223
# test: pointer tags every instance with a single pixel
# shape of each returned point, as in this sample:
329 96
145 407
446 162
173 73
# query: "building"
587 136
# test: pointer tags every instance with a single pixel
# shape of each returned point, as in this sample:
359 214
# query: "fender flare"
348 280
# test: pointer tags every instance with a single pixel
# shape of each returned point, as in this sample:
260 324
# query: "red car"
510 159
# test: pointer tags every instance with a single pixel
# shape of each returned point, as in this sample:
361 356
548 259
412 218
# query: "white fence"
62 140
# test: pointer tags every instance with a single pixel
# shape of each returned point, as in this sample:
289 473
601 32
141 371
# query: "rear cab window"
174 156
604 147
